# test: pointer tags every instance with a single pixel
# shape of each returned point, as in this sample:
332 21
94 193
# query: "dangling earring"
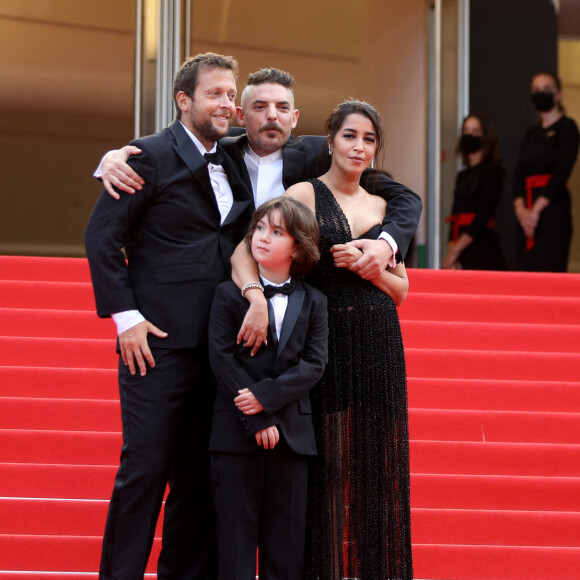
373 163
329 150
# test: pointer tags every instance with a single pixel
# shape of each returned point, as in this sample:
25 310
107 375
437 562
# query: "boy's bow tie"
287 288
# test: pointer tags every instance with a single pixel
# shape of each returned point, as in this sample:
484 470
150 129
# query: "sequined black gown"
359 510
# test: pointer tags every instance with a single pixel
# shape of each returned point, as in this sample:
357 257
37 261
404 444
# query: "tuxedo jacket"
303 158
280 375
163 251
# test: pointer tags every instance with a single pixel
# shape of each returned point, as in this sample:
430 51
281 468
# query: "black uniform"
547 156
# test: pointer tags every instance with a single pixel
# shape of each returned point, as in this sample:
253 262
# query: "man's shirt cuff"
99 170
127 319
391 241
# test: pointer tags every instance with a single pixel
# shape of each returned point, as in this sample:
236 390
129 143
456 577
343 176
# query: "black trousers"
260 502
166 419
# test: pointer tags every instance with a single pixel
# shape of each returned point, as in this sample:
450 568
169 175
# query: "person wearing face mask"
473 244
542 201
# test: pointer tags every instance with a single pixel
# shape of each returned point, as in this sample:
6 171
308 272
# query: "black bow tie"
214 158
287 288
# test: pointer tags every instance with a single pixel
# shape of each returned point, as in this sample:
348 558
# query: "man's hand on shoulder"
117 173
135 348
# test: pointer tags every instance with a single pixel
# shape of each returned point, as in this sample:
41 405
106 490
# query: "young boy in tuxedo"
262 431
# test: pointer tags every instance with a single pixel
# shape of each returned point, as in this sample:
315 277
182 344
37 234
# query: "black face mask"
543 101
470 143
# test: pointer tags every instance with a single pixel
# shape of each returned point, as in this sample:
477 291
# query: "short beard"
207 131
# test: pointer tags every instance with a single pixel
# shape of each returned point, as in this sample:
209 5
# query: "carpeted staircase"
494 396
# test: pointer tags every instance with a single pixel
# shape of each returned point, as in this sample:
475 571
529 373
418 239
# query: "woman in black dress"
542 200
359 511
473 244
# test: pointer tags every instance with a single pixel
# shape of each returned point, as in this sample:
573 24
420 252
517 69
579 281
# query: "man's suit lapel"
196 163
243 198
293 161
193 159
295 301
234 147
186 148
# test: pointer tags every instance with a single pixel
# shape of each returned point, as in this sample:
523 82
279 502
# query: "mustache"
273 126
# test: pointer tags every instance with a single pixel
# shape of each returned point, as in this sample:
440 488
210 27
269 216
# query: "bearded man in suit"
156 258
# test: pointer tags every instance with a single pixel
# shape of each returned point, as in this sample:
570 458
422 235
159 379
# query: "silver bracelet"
251 286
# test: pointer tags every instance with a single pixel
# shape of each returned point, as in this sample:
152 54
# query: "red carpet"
494 396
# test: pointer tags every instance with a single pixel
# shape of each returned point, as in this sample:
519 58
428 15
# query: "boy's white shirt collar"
266 282
279 304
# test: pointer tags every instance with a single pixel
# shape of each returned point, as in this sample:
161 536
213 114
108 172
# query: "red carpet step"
493 492
35 269
59 382
492 365
533 493
60 414
446 561
529 459
46 295
499 284
494 395
489 308
92 353
51 480
494 407
70 554
442 424
55 323
60 447
491 336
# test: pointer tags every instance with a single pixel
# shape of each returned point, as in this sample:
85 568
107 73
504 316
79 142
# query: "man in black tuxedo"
156 259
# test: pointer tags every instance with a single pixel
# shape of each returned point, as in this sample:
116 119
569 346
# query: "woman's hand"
528 219
345 255
376 256
451 259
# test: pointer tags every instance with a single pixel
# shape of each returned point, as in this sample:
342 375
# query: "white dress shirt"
265 175
279 304
219 180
